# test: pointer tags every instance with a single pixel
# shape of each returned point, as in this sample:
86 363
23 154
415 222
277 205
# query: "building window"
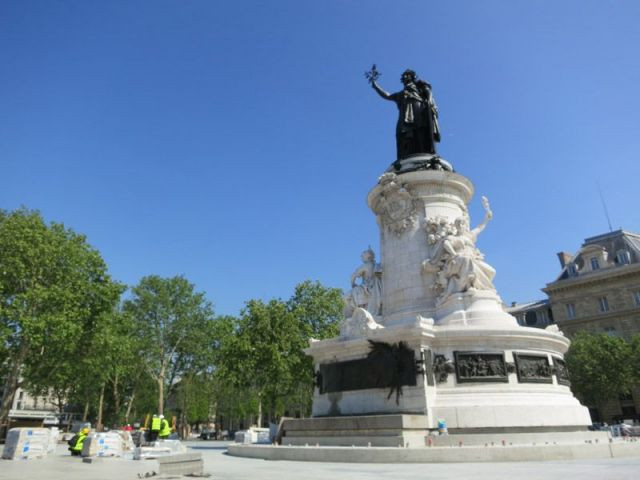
530 318
603 304
636 297
571 310
542 317
595 264
623 257
611 331
572 269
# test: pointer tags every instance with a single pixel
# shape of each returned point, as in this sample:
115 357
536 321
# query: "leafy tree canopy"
600 367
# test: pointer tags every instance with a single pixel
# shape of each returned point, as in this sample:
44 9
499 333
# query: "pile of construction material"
26 443
116 443
253 435
159 448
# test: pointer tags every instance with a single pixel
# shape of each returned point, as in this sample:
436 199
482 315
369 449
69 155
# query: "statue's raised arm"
488 215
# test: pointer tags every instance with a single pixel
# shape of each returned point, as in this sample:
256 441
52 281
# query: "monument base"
481 378
460 450
373 430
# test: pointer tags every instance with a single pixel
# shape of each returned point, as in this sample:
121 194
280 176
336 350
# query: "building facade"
598 291
33 411
532 314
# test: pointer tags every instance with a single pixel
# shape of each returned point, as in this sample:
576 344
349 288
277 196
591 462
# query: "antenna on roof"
604 206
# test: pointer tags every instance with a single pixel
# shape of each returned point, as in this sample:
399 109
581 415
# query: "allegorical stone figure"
367 293
457 263
417 130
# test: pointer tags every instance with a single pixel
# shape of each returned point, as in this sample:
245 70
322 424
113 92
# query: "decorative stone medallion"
480 367
532 368
395 206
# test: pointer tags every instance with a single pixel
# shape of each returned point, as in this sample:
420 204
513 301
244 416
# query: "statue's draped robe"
416 130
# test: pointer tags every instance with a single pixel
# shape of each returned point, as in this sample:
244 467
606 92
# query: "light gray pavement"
224 467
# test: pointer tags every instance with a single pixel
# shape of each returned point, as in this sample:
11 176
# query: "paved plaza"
224 467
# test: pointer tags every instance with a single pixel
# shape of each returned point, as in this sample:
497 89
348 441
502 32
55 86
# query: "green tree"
264 353
262 364
634 345
317 308
599 367
54 287
174 325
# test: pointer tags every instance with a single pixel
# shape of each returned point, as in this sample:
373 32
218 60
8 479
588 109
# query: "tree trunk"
13 383
86 411
128 412
161 395
116 399
259 411
60 402
99 426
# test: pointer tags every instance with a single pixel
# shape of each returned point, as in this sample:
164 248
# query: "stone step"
382 432
360 422
515 439
346 441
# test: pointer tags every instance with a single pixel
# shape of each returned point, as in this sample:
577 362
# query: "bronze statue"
417 130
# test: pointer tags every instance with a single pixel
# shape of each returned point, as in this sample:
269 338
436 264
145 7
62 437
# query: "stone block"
181 464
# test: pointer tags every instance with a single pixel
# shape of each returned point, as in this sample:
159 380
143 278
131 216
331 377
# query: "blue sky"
235 142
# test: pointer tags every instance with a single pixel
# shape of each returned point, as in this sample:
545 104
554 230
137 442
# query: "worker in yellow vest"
165 429
77 441
155 428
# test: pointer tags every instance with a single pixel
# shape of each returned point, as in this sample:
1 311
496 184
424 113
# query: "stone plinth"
402 203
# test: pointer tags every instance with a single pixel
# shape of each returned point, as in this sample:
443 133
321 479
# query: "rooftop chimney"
564 258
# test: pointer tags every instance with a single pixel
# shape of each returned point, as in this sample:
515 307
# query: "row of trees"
71 332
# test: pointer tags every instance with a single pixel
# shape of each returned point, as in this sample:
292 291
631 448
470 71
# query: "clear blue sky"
235 142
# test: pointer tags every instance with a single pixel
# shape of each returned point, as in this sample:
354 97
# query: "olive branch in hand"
373 74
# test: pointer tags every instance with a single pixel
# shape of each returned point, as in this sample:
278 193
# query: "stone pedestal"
473 367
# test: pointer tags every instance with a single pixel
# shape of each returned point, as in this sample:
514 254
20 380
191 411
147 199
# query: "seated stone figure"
367 293
457 263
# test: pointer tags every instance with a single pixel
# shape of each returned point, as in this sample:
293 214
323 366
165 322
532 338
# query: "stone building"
598 290
33 410
532 314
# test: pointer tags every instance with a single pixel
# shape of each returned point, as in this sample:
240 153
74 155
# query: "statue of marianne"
417 130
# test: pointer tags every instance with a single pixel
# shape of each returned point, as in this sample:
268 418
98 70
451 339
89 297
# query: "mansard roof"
613 249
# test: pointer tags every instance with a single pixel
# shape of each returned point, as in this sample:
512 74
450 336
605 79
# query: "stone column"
402 203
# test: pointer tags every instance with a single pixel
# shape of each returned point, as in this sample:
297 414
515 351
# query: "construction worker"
77 441
165 429
155 428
